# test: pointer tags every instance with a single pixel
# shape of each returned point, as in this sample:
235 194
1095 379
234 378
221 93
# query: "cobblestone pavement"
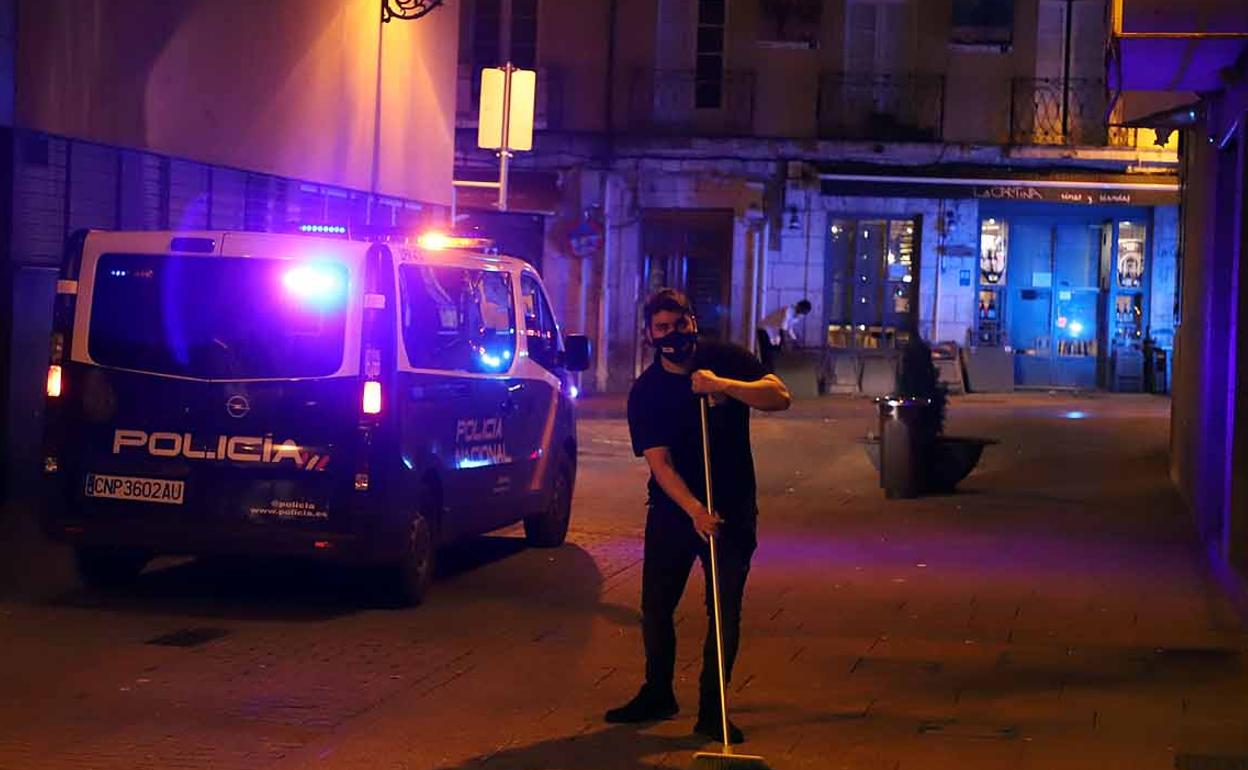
1054 614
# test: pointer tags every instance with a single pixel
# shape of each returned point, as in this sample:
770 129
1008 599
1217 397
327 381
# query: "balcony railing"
881 107
547 111
847 106
1064 112
678 102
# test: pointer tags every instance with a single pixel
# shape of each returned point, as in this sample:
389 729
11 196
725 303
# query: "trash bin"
901 446
1155 380
1159 364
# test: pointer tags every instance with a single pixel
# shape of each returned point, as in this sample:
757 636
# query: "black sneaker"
647 706
712 728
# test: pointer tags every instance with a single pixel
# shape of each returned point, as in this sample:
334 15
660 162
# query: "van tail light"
54 381
372 397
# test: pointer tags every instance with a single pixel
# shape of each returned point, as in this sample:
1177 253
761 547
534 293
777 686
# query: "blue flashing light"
1076 328
506 355
324 229
469 462
573 392
1076 415
492 361
315 283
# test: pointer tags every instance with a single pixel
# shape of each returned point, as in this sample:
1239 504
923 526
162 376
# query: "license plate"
131 488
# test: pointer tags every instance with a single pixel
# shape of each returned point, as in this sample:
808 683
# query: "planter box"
989 370
952 459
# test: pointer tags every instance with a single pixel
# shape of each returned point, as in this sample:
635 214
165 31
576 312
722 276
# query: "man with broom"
664 419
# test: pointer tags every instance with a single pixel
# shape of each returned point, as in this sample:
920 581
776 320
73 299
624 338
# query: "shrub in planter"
912 454
918 380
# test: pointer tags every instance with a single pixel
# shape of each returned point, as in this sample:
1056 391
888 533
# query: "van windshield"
218 317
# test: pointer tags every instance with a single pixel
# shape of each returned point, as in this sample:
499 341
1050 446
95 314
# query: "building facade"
950 169
1185 70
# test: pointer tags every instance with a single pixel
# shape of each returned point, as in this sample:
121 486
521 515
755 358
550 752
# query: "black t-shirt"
663 411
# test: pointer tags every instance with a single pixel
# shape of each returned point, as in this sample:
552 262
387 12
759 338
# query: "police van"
286 394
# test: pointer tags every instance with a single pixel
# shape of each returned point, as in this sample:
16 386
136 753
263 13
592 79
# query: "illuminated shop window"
871 285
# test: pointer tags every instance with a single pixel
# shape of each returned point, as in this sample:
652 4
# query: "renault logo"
237 406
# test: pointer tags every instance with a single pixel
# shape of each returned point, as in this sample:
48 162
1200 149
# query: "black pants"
766 351
671 546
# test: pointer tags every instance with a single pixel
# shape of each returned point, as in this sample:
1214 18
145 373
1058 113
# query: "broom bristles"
707 760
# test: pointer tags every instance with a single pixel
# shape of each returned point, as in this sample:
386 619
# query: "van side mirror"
576 352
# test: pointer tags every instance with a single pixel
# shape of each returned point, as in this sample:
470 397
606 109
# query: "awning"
1161 45
1079 189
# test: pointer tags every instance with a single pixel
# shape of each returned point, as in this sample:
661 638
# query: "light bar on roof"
324 229
436 241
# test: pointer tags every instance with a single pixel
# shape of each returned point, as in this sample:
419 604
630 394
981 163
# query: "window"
1131 237
983 23
994 250
540 329
871 296
458 319
218 318
790 23
708 87
878 36
487 33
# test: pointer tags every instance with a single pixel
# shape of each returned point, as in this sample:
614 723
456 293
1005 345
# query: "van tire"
548 528
416 570
108 567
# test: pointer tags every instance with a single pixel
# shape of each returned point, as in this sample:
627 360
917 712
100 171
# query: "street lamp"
407 9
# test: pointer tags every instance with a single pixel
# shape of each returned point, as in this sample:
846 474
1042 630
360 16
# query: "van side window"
540 329
458 319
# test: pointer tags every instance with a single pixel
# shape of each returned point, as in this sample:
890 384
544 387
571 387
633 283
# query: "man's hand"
705 523
707 383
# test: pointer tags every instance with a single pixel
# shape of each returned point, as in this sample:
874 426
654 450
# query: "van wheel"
548 528
418 565
108 567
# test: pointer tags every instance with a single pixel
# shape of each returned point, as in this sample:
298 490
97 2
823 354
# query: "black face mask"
676 347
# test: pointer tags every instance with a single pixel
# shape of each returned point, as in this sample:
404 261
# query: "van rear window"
458 319
218 317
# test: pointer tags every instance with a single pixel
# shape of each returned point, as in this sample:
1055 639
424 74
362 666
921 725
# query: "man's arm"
660 460
768 394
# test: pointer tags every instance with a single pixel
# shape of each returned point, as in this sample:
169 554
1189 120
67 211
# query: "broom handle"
719 635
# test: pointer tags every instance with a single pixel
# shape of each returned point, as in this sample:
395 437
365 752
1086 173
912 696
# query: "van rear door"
234 375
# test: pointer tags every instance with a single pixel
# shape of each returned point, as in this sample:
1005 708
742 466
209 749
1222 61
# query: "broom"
726 760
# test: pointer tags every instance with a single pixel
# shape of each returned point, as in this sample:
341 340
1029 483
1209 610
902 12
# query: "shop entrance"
689 250
1052 290
1055 293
